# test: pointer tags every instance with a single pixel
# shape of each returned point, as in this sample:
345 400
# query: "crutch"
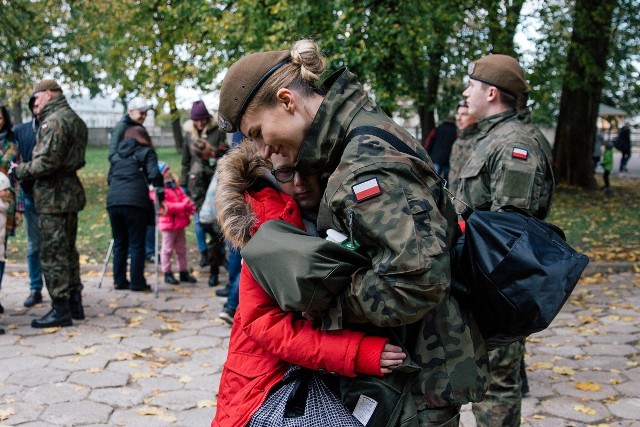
106 262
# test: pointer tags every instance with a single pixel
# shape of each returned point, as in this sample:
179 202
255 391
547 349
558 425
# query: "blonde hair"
302 74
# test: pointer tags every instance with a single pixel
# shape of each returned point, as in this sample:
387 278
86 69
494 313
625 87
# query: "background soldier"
508 167
59 196
463 146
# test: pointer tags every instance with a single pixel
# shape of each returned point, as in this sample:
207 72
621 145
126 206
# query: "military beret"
243 80
501 71
47 84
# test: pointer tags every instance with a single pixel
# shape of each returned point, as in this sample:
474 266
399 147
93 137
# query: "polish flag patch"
367 189
520 153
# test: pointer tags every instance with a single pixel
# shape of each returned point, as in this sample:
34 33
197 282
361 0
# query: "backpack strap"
387 136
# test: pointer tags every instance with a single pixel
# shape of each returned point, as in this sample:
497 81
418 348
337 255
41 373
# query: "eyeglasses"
286 174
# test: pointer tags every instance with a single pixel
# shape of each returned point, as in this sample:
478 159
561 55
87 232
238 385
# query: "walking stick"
156 208
106 262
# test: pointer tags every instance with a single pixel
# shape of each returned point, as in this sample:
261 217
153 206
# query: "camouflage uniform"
58 193
508 167
460 153
406 230
200 175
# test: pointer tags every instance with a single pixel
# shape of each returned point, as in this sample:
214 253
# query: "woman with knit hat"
384 193
202 125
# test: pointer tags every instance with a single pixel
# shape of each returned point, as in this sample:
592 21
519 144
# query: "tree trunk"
176 127
502 28
427 117
16 112
582 85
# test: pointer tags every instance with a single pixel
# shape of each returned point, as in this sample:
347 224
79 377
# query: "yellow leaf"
86 351
632 364
539 417
51 330
207 403
151 410
588 386
146 374
585 409
73 360
542 365
141 354
94 370
628 319
185 379
118 336
138 310
564 370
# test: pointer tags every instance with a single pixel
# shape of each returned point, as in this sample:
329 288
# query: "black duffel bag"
514 272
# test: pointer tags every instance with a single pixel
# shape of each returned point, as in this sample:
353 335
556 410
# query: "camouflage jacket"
460 153
404 222
200 175
508 167
59 153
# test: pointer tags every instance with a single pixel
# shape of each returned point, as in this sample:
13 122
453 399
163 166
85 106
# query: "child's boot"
168 278
186 277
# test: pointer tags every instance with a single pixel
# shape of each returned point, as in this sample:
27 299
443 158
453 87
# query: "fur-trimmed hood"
190 128
239 170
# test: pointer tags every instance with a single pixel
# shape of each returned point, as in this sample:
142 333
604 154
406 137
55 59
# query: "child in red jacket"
172 225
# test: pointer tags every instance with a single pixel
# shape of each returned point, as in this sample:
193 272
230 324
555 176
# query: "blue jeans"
201 235
33 244
234 264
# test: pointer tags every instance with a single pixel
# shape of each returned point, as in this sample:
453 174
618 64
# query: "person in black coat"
440 148
624 145
134 166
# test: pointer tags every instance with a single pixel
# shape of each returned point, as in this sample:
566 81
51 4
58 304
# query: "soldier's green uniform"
460 154
58 194
508 167
403 220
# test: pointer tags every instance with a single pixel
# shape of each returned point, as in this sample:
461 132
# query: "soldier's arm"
49 155
517 176
404 234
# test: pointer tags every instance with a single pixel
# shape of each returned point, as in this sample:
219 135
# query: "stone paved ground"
144 361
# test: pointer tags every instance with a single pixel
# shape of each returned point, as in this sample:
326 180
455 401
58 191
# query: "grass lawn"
94 230
606 228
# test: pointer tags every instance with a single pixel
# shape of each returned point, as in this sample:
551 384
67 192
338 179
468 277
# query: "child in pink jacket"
172 225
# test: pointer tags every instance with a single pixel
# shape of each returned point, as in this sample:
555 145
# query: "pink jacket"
179 209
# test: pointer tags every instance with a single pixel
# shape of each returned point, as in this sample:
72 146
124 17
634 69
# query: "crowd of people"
385 336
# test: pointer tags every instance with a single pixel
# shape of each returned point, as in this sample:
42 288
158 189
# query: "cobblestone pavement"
138 360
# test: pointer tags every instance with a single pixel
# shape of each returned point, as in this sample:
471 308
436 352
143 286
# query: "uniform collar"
488 123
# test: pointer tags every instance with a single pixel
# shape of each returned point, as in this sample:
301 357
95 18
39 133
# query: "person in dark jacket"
137 111
133 167
440 148
624 145
25 136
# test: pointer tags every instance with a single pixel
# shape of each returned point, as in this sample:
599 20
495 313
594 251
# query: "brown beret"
243 80
501 71
47 84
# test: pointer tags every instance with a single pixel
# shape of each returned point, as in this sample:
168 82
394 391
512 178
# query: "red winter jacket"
265 340
179 209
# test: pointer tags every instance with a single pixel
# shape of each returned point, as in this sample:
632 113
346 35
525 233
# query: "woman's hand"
392 355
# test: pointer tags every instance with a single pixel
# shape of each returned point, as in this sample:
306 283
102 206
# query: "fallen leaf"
539 417
86 351
118 336
588 386
206 403
51 330
94 370
185 379
6 413
564 370
138 310
584 409
73 360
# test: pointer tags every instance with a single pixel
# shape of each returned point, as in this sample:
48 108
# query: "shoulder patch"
366 190
520 153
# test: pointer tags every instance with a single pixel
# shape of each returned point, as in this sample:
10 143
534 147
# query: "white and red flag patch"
367 189
520 153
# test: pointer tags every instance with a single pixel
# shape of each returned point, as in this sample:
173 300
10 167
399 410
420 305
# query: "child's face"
5 194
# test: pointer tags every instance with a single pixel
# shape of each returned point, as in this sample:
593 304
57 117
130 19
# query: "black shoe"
145 288
34 298
75 305
59 315
169 279
186 277
227 315
1 331
121 286
223 293
1 309
213 281
203 259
